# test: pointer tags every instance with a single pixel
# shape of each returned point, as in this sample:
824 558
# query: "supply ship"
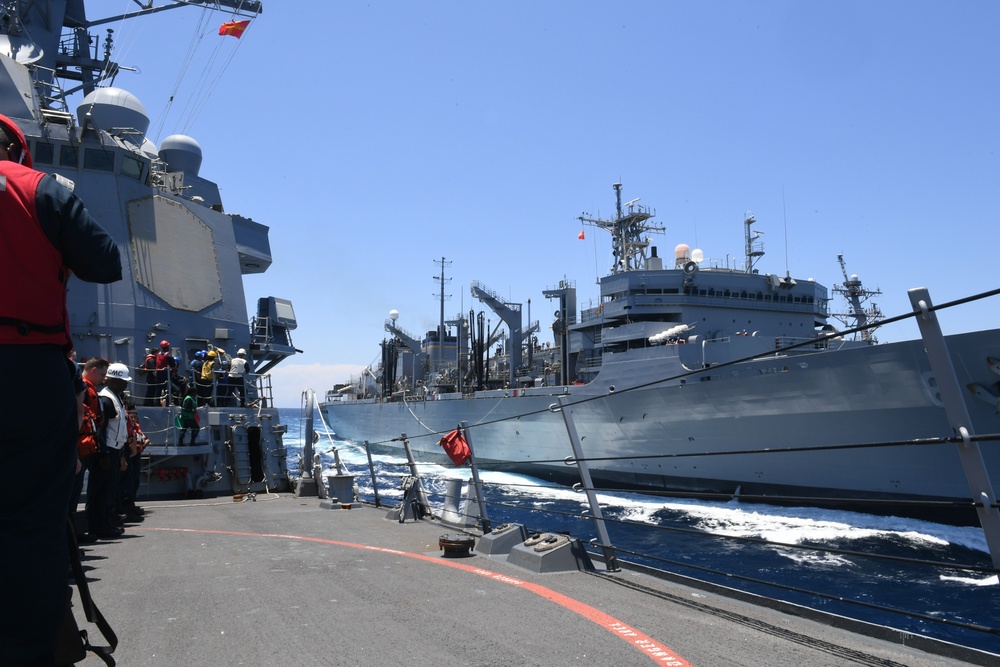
183 254
686 377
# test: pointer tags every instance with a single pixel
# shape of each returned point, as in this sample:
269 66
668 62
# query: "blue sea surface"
706 540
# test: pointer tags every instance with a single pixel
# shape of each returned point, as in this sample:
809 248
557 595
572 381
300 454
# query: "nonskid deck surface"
220 582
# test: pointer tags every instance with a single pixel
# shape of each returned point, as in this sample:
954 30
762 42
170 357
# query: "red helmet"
11 129
164 344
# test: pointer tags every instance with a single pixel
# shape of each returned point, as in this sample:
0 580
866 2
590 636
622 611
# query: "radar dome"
181 153
393 315
112 109
682 251
148 148
697 256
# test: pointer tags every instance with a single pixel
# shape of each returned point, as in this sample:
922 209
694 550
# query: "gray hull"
705 433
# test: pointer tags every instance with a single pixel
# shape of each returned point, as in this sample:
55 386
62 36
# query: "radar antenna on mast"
629 233
858 315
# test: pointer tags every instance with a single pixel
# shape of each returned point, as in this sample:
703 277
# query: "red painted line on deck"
657 652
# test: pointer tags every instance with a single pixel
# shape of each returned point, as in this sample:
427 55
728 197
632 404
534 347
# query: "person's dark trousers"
152 395
102 484
241 389
162 384
128 489
74 498
38 449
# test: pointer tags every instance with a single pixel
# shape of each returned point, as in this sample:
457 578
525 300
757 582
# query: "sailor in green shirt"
188 418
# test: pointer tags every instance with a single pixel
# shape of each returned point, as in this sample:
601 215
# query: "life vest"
206 370
33 301
165 360
189 409
117 426
86 444
92 403
135 434
237 367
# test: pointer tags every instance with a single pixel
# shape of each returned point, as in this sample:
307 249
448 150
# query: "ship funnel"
654 263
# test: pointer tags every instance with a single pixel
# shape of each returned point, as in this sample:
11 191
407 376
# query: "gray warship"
183 254
686 377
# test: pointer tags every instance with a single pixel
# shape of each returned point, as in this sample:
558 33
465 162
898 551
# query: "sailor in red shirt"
165 363
45 235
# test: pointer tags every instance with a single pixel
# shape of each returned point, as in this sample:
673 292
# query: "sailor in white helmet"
237 375
107 465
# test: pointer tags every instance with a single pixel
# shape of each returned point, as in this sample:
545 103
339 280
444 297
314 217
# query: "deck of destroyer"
222 582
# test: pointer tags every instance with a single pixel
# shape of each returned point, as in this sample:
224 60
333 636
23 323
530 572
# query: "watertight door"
247 457
256 454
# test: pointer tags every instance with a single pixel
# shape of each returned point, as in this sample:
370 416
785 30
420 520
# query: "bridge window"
100 160
131 167
44 153
69 156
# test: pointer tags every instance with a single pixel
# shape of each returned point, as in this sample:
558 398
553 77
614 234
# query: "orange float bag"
456 447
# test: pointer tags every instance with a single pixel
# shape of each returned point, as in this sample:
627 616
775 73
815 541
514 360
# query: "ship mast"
856 295
754 248
33 33
441 330
628 245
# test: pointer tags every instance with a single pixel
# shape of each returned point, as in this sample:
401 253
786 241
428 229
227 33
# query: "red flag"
234 28
580 235
456 447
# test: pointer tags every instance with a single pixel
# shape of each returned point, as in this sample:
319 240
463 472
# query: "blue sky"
375 138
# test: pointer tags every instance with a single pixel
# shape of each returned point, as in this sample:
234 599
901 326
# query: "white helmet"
119 372
240 351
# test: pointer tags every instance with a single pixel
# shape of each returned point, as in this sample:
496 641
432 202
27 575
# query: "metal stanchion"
483 516
371 469
958 417
610 558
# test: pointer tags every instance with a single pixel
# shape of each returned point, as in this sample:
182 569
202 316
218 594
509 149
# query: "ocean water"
738 544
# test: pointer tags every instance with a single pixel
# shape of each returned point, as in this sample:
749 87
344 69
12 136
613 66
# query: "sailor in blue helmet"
46 235
196 364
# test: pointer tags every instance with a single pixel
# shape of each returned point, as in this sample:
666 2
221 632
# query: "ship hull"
236 450
708 432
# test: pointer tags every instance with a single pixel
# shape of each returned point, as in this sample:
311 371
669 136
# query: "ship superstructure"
184 255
